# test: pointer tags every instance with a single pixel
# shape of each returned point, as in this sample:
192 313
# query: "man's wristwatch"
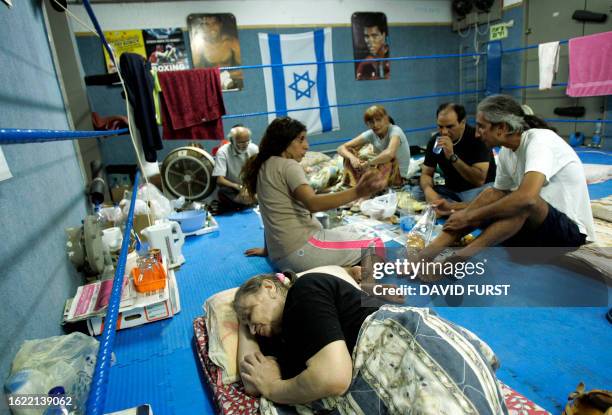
453 158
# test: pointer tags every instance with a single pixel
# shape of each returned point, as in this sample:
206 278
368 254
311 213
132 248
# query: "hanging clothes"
139 86
192 104
590 72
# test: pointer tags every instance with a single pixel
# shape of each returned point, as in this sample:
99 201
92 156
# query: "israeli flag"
304 86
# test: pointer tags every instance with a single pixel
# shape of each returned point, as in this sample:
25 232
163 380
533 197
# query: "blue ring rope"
367 102
99 384
530 86
344 140
20 135
561 42
94 20
399 58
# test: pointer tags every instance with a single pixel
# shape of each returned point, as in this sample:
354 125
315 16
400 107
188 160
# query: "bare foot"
355 273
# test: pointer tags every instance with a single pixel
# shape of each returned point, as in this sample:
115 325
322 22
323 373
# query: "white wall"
262 12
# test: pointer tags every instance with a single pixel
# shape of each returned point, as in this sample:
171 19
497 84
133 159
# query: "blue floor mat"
544 352
593 156
156 363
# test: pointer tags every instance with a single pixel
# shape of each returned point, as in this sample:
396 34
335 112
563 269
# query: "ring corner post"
494 53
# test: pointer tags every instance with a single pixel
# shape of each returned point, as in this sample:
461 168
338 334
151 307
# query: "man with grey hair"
229 160
540 196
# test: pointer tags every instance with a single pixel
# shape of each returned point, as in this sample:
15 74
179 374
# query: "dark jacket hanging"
136 73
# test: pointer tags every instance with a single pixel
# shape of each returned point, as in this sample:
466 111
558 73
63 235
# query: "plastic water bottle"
436 149
57 391
596 139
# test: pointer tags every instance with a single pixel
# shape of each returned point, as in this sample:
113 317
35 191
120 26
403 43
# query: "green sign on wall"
498 31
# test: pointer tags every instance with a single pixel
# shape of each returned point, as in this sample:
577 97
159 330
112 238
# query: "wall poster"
370 41
214 42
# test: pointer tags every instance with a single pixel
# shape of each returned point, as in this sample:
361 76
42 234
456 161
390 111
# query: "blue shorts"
557 230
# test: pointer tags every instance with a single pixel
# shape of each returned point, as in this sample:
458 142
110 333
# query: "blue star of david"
295 85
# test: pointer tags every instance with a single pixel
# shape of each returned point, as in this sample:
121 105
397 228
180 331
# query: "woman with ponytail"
294 239
540 196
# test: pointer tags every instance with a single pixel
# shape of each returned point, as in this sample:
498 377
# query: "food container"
149 275
190 220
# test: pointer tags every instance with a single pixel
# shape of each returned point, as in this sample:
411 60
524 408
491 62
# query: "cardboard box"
141 222
117 192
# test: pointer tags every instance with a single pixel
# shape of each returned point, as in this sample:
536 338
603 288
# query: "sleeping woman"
329 335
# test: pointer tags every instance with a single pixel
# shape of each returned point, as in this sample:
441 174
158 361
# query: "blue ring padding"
530 86
399 58
494 68
561 42
97 393
373 101
344 140
19 136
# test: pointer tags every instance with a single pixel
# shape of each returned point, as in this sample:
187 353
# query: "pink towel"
192 104
590 65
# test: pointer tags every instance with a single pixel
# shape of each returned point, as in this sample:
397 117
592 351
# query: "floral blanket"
231 399
410 361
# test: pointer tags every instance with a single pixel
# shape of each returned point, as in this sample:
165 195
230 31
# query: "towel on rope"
192 104
590 72
135 71
548 60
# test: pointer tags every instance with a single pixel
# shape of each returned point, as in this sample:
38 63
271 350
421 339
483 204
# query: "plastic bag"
150 200
42 364
420 235
380 207
111 214
160 205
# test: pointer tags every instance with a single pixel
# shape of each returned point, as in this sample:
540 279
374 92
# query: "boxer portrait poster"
370 41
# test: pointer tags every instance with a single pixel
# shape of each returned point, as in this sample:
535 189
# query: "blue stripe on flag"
278 75
319 40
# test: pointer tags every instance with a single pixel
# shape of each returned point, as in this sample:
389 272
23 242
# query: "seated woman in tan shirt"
294 239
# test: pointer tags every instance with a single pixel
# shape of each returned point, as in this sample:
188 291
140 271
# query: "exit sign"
498 31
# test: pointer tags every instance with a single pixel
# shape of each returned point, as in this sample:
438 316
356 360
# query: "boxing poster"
214 42
370 41
123 41
166 49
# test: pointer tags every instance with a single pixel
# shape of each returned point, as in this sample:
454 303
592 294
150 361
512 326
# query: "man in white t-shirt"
229 160
540 196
